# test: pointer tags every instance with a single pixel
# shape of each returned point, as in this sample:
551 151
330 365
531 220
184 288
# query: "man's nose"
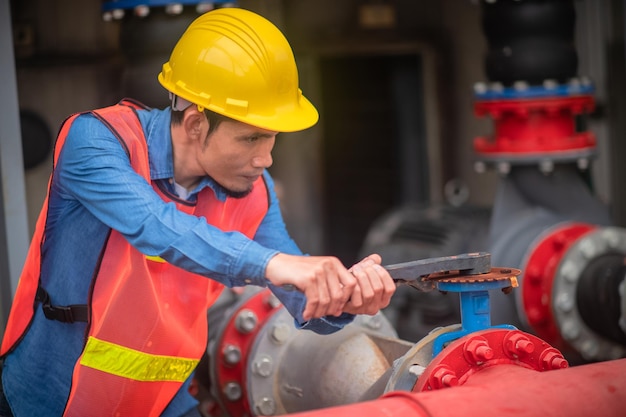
263 159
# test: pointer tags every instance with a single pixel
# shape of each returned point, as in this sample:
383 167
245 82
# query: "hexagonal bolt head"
552 359
246 321
443 377
280 333
263 366
232 391
477 351
265 407
231 354
517 344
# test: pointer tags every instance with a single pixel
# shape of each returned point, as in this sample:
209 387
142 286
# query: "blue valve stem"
475 311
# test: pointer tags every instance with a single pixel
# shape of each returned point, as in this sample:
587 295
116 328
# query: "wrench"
414 273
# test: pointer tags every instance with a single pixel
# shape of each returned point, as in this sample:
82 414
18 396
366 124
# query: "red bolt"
535 316
552 359
477 350
518 344
559 241
534 275
443 377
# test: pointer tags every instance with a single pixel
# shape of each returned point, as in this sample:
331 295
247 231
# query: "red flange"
538 279
234 348
491 347
535 127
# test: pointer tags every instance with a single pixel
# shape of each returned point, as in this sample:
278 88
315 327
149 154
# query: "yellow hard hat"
238 64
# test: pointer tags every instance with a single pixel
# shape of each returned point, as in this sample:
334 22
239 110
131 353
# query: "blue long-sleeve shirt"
95 188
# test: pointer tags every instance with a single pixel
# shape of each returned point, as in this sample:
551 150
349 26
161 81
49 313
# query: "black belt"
65 314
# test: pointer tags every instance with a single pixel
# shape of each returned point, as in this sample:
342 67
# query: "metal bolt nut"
570 330
517 344
264 366
480 88
174 9
272 301
443 377
582 164
246 321
231 354
232 391
265 407
565 302
280 333
480 167
504 168
552 359
204 7
590 349
477 351
546 167
142 10
118 14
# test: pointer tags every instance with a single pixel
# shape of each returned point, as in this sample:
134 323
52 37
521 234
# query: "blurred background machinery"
546 218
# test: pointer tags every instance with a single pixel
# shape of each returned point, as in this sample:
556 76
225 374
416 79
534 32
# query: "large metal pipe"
595 389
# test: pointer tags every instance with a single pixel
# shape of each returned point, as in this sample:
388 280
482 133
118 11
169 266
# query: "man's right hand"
324 280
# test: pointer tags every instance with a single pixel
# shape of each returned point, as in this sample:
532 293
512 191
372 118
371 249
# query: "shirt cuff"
327 324
245 272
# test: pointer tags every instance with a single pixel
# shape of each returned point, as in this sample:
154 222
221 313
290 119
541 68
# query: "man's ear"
193 121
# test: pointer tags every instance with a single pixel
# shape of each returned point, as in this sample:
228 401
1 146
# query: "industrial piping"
546 219
581 391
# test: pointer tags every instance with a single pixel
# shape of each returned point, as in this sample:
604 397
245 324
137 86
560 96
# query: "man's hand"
325 282
374 287
330 288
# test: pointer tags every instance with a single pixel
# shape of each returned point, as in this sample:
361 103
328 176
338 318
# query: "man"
149 214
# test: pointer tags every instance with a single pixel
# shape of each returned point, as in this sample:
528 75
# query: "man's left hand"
374 287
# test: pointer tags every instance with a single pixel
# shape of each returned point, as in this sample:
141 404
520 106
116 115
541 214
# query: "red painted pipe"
597 389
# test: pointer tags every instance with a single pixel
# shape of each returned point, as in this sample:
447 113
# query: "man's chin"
237 194
234 193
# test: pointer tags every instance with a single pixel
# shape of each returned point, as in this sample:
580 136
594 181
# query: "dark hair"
214 119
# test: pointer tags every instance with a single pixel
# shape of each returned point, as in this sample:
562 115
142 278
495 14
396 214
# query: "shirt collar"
156 123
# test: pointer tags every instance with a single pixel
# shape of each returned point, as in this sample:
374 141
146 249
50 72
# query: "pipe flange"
480 350
573 329
537 284
271 343
408 368
232 349
275 385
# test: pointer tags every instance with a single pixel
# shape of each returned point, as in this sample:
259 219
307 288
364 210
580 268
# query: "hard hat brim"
300 118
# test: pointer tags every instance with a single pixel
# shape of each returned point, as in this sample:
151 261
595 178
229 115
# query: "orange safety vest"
147 319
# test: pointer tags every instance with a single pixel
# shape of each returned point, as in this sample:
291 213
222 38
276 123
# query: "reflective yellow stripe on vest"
133 364
155 259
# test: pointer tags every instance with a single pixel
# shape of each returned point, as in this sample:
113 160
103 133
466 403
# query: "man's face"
235 155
